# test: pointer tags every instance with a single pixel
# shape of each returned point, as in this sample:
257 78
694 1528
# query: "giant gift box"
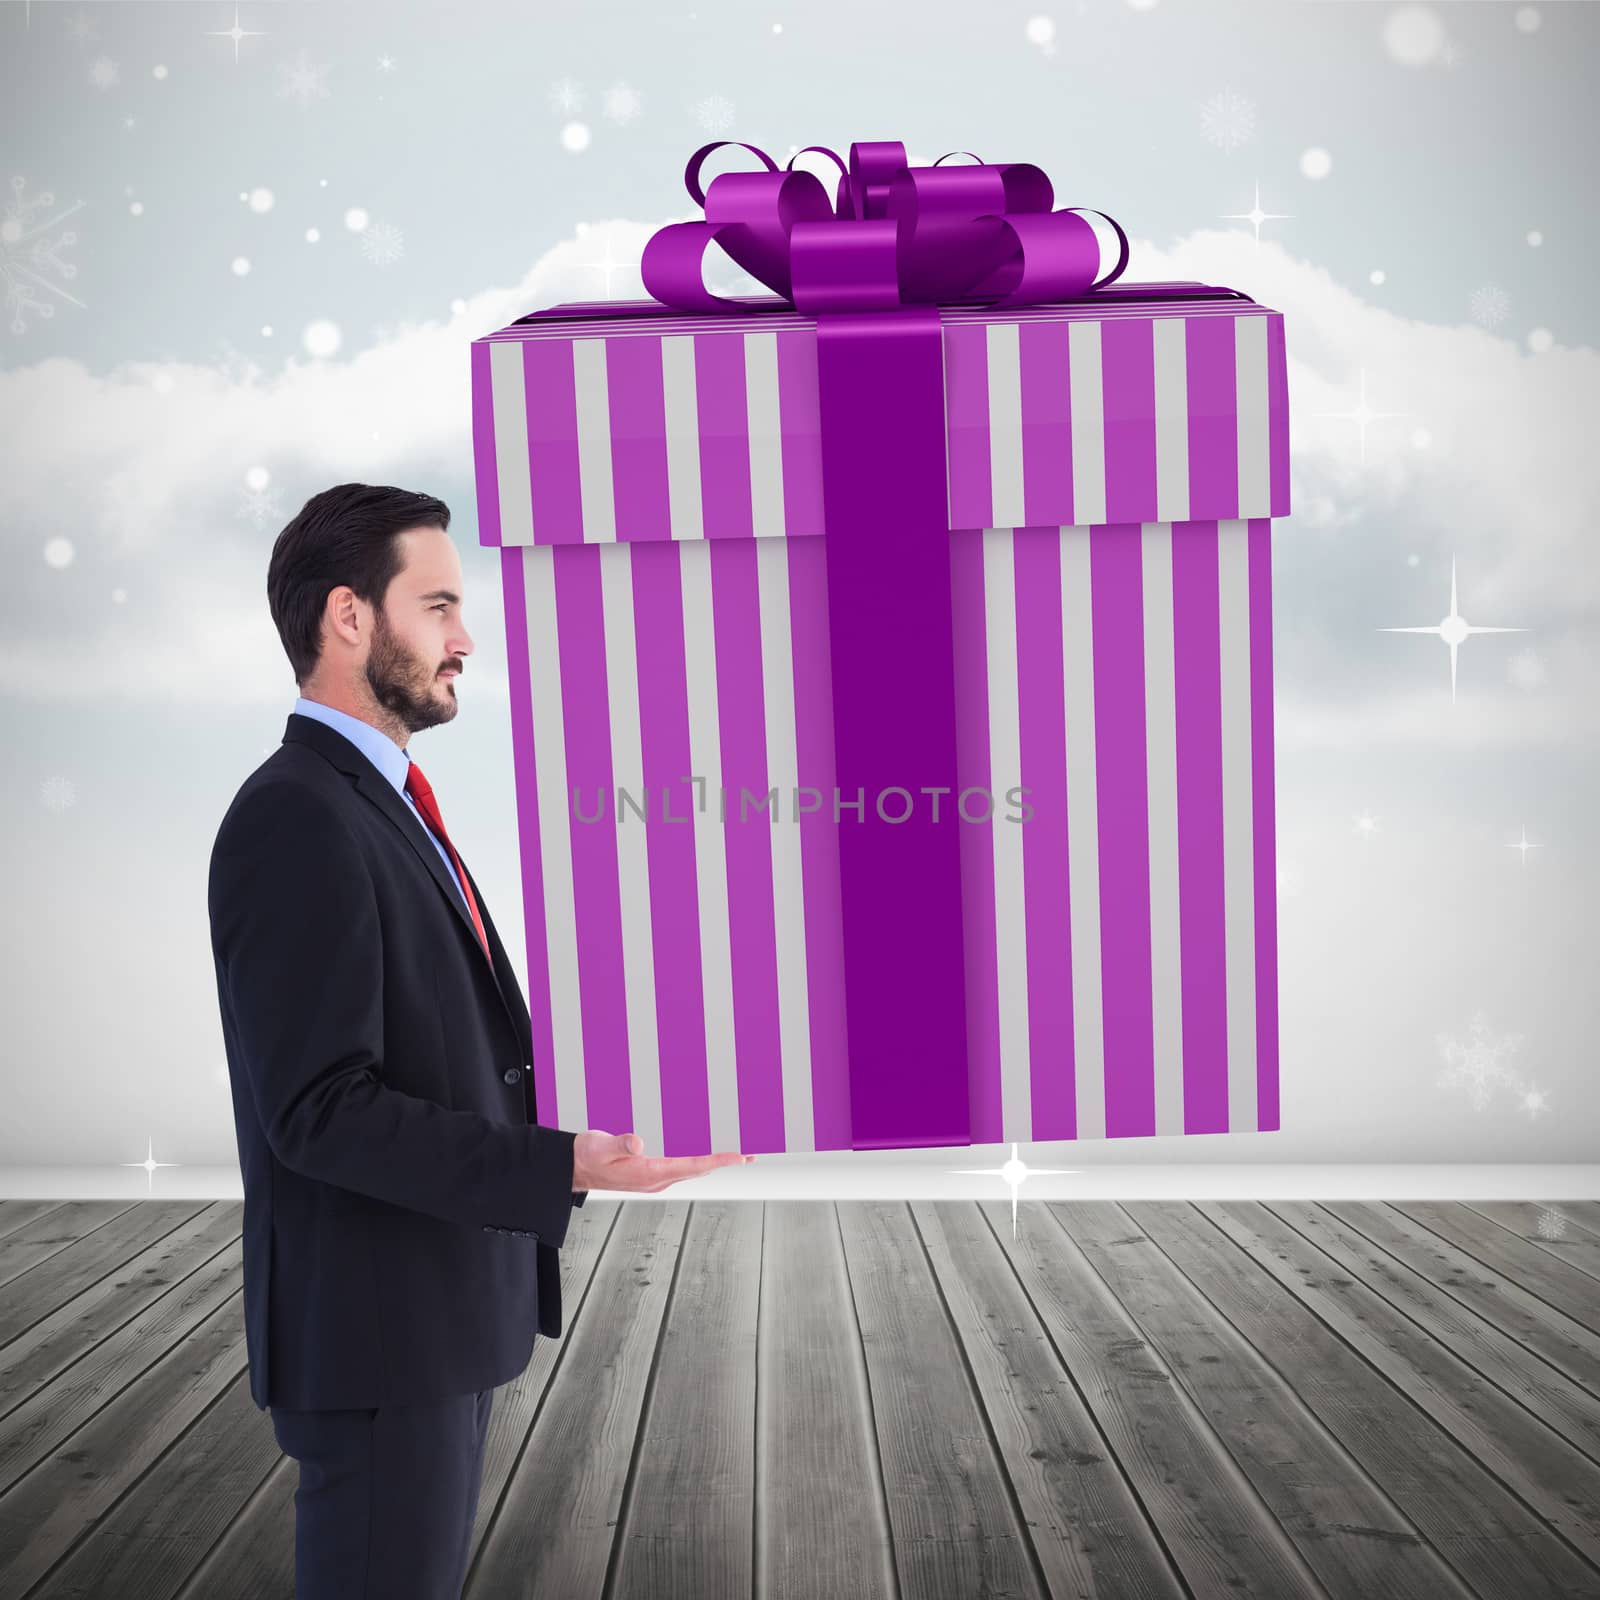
891 675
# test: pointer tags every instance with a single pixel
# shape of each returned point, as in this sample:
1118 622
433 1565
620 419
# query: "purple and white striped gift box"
655 485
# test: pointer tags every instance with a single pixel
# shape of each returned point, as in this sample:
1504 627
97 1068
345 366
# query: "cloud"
142 469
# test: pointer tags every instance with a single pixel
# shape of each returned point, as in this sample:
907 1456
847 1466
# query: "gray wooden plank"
952 1515
1546 1229
52 1231
149 1543
1043 1339
1494 1542
552 1533
50 1346
32 1430
16 1214
1586 1213
690 1521
517 1404
1534 1324
822 1526
1265 1486
43 1517
254 1559
1560 1403
53 1283
1558 1283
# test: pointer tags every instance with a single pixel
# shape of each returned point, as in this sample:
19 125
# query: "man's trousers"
387 1497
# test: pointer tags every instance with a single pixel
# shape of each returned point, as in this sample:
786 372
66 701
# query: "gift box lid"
598 422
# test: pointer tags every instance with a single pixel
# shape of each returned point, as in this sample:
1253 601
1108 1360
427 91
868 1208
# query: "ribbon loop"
894 235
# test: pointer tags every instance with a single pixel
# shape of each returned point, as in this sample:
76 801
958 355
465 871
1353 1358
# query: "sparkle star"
236 33
608 266
1524 844
1255 216
1015 1173
1454 630
1362 415
149 1164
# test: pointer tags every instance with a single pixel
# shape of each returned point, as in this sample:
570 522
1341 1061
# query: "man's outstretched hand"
603 1160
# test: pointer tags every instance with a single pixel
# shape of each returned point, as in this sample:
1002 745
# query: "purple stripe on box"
966 370
1123 818
1213 418
1264 839
747 838
525 775
674 897
1278 416
1041 708
591 793
724 422
486 472
636 401
552 402
819 840
800 425
1046 423
1128 388
979 948
1202 919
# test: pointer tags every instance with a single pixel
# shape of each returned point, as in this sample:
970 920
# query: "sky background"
238 271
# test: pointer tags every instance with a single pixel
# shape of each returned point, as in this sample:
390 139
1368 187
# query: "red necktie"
421 791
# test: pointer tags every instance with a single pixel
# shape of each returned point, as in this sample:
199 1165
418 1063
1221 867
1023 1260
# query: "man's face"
418 638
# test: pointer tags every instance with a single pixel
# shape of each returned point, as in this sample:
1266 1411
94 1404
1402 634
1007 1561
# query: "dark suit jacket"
403 1208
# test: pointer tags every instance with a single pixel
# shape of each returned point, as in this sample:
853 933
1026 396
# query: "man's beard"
410 689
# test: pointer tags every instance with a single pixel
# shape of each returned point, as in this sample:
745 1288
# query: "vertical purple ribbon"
880 379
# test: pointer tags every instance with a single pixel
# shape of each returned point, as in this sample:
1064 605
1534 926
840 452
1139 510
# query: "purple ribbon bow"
896 236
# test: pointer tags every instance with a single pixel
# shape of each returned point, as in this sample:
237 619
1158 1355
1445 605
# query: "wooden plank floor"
820 1401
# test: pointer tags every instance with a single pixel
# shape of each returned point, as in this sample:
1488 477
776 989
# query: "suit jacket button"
512 1074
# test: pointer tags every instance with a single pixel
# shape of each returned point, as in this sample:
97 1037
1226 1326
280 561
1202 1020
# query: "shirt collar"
393 762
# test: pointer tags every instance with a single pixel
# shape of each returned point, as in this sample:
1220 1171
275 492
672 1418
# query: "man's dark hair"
346 535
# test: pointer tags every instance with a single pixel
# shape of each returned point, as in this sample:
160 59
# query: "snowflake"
382 244
566 96
58 793
83 29
1552 1225
714 113
302 80
103 72
30 259
621 103
260 506
1480 1064
1228 120
1490 305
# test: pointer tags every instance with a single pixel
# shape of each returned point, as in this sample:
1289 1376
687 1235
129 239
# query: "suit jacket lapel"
375 787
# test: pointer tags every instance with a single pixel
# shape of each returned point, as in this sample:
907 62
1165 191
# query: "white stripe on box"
1005 838
710 845
680 398
1083 832
1088 424
593 408
1004 347
764 425
543 667
788 878
1254 425
1172 418
1161 764
633 855
1238 870
509 396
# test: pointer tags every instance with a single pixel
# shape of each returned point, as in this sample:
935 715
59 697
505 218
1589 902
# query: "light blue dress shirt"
393 762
